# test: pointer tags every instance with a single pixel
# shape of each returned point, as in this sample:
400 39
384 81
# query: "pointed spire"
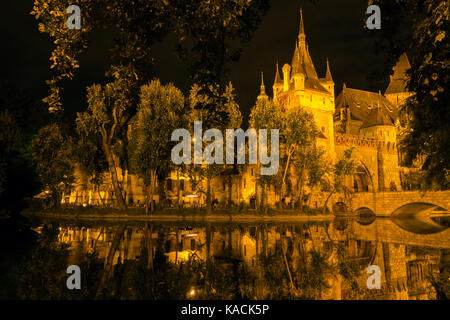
277 76
263 88
301 33
328 74
262 94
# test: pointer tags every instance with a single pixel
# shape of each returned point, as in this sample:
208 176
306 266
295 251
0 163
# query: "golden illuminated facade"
368 121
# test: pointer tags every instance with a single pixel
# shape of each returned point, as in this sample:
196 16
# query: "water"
206 260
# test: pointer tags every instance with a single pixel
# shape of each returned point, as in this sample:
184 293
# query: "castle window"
169 185
251 170
310 98
224 186
245 183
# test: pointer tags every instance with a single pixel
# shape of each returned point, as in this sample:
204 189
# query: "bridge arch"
364 211
416 208
386 203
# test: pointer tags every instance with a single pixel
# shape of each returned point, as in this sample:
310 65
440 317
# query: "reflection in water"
416 218
239 261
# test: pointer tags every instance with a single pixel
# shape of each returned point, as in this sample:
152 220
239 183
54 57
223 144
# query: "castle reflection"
320 260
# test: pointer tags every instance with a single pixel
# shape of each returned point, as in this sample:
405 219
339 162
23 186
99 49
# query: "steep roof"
399 78
361 103
302 62
328 74
277 77
377 117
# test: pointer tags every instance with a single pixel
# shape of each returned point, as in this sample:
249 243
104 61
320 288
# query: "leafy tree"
106 118
339 171
17 173
91 160
311 167
420 28
161 110
211 34
217 110
10 139
54 165
299 134
265 115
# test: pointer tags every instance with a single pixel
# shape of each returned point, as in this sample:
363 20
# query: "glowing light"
192 292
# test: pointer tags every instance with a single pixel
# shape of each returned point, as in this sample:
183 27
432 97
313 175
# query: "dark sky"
334 29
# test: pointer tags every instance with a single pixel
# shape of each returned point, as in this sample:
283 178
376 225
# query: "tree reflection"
164 262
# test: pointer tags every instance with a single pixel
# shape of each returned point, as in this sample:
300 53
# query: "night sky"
334 29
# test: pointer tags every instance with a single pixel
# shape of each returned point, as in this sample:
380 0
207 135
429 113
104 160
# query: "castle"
368 121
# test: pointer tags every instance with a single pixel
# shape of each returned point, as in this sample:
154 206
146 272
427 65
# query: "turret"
262 92
286 77
298 71
328 82
301 33
277 84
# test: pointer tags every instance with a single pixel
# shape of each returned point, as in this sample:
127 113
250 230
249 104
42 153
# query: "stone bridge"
386 231
384 203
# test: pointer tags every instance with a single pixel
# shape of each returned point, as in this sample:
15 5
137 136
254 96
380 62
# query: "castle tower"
397 92
298 71
286 77
328 82
262 92
379 125
301 32
277 84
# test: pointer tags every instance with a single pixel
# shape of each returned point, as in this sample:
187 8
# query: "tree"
339 171
298 135
91 159
216 110
106 118
420 28
209 35
10 139
265 115
161 110
54 165
310 166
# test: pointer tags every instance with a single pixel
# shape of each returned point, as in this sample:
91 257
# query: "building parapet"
353 140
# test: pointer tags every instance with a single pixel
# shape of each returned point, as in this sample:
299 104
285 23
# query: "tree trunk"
302 182
283 183
114 179
326 201
208 195
230 185
146 198
109 260
263 196
100 195
178 189
152 188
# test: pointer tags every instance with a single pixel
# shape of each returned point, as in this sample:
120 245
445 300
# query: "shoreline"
132 215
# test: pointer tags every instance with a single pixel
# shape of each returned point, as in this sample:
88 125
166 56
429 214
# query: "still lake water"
254 260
